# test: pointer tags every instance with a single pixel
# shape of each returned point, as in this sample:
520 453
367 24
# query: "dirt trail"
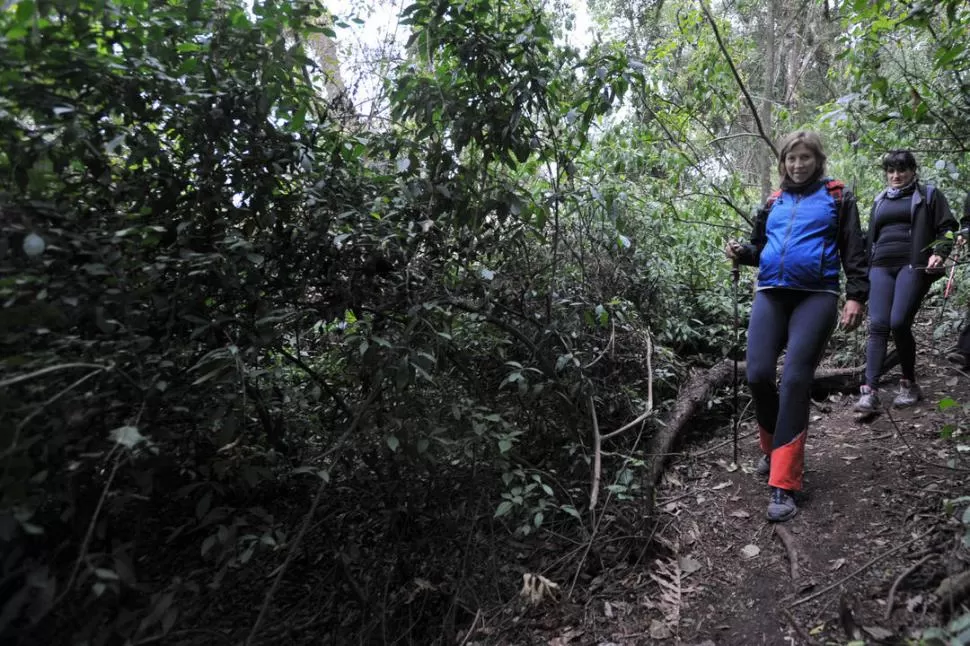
871 510
871 488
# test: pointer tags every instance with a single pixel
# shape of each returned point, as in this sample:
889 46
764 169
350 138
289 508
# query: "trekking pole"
737 341
947 291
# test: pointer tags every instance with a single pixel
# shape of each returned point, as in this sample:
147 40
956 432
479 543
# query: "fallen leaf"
566 637
659 630
607 609
750 551
837 564
688 565
877 632
819 628
952 381
740 514
731 468
723 485
914 603
673 480
850 458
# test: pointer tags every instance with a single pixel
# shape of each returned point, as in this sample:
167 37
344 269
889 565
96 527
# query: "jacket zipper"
784 246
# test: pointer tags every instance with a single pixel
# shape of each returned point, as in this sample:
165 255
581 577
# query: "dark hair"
811 140
898 160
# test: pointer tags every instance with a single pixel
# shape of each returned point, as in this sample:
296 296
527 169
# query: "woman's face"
800 163
898 177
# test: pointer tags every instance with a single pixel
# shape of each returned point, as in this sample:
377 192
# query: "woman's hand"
852 315
733 250
935 264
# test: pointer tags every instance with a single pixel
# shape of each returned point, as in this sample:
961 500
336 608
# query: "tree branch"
737 77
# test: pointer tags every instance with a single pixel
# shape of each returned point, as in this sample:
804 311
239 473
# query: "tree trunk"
767 165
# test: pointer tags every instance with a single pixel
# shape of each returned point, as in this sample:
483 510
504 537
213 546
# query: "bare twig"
23 423
859 570
291 553
185 633
609 346
711 449
890 599
594 490
86 543
49 369
596 525
323 383
789 542
649 409
736 135
471 629
797 627
737 77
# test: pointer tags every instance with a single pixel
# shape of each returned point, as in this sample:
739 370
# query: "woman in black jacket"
906 246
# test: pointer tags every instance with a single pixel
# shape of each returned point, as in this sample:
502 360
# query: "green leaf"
299 118
947 403
127 436
569 509
106 574
392 442
504 507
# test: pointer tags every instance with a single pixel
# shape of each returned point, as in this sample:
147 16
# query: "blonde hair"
811 140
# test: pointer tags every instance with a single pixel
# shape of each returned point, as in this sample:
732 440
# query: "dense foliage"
244 292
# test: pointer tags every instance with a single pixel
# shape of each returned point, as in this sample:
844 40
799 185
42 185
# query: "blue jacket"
800 239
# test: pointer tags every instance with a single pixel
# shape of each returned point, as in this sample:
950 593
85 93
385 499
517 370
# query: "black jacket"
850 242
929 224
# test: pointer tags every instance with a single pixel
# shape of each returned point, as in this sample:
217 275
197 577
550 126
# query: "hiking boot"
960 359
868 401
763 468
781 507
909 393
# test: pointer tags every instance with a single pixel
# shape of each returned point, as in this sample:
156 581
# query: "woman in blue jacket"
801 236
906 247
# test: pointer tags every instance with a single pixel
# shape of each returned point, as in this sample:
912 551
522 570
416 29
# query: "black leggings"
895 294
803 321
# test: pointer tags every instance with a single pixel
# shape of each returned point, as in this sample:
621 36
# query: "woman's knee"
760 371
879 327
901 326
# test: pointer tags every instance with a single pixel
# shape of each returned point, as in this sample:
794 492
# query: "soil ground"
872 508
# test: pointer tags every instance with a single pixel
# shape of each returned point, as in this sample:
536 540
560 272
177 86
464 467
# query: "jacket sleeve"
852 250
943 223
751 253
